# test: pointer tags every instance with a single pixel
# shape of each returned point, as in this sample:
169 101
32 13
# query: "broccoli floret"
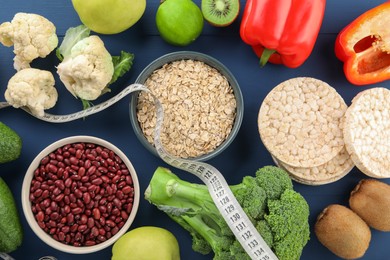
278 212
274 181
239 252
285 219
251 196
265 231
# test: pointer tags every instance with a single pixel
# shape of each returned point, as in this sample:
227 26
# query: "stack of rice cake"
303 123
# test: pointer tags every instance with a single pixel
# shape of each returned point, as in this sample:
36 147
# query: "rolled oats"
199 107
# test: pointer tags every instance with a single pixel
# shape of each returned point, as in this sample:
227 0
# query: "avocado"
11 232
10 144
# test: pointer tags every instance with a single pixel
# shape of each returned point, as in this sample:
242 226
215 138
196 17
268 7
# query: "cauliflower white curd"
32 88
32 35
88 69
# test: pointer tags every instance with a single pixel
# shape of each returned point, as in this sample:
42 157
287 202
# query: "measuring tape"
225 201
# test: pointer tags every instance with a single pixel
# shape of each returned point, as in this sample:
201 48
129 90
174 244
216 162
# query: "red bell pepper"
282 31
364 47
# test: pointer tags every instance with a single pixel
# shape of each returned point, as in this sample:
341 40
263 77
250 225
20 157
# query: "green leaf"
86 103
72 36
59 55
122 64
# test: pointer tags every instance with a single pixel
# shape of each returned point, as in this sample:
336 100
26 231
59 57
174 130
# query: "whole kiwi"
370 199
342 231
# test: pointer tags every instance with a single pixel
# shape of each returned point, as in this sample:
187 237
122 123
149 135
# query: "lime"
179 22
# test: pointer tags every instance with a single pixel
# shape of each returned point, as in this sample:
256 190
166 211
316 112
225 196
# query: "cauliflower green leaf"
72 36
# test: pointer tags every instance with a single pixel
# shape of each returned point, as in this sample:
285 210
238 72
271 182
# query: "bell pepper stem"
265 56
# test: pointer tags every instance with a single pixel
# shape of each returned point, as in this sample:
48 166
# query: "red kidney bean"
77 237
97 181
129 207
53 206
82 194
78 193
81 171
80 203
90 222
91 170
109 190
40 216
96 213
121 184
102 209
81 187
102 221
37 193
127 189
73 160
65 229
120 195
59 197
61 236
116 179
90 243
86 198
68 238
45 160
52 231
77 211
56 191
70 219
82 228
59 184
73 228
102 231
79 153
83 219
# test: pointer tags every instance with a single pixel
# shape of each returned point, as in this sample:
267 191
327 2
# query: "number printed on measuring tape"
225 201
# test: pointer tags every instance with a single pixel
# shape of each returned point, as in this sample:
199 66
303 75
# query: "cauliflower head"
88 69
32 35
32 88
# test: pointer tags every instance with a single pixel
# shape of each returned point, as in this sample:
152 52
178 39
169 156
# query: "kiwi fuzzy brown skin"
220 17
343 232
370 199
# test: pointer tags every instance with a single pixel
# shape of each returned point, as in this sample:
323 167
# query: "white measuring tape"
225 201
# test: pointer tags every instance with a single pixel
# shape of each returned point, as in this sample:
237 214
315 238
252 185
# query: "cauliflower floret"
32 35
88 69
32 88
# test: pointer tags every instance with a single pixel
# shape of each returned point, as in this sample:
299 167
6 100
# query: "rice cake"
300 122
367 132
326 173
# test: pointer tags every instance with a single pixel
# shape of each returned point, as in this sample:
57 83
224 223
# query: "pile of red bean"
82 194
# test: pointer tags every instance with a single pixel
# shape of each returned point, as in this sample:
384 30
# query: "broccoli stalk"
191 206
278 212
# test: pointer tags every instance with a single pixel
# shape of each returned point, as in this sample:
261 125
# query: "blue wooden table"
245 155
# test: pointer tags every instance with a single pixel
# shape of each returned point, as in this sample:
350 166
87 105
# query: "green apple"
146 243
109 16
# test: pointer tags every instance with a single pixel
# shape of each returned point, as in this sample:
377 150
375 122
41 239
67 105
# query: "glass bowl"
196 56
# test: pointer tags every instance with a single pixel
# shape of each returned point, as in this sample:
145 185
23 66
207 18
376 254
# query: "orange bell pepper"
364 47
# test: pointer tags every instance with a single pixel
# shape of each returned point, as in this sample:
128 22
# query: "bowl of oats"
202 105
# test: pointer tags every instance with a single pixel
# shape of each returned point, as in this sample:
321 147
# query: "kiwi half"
220 12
